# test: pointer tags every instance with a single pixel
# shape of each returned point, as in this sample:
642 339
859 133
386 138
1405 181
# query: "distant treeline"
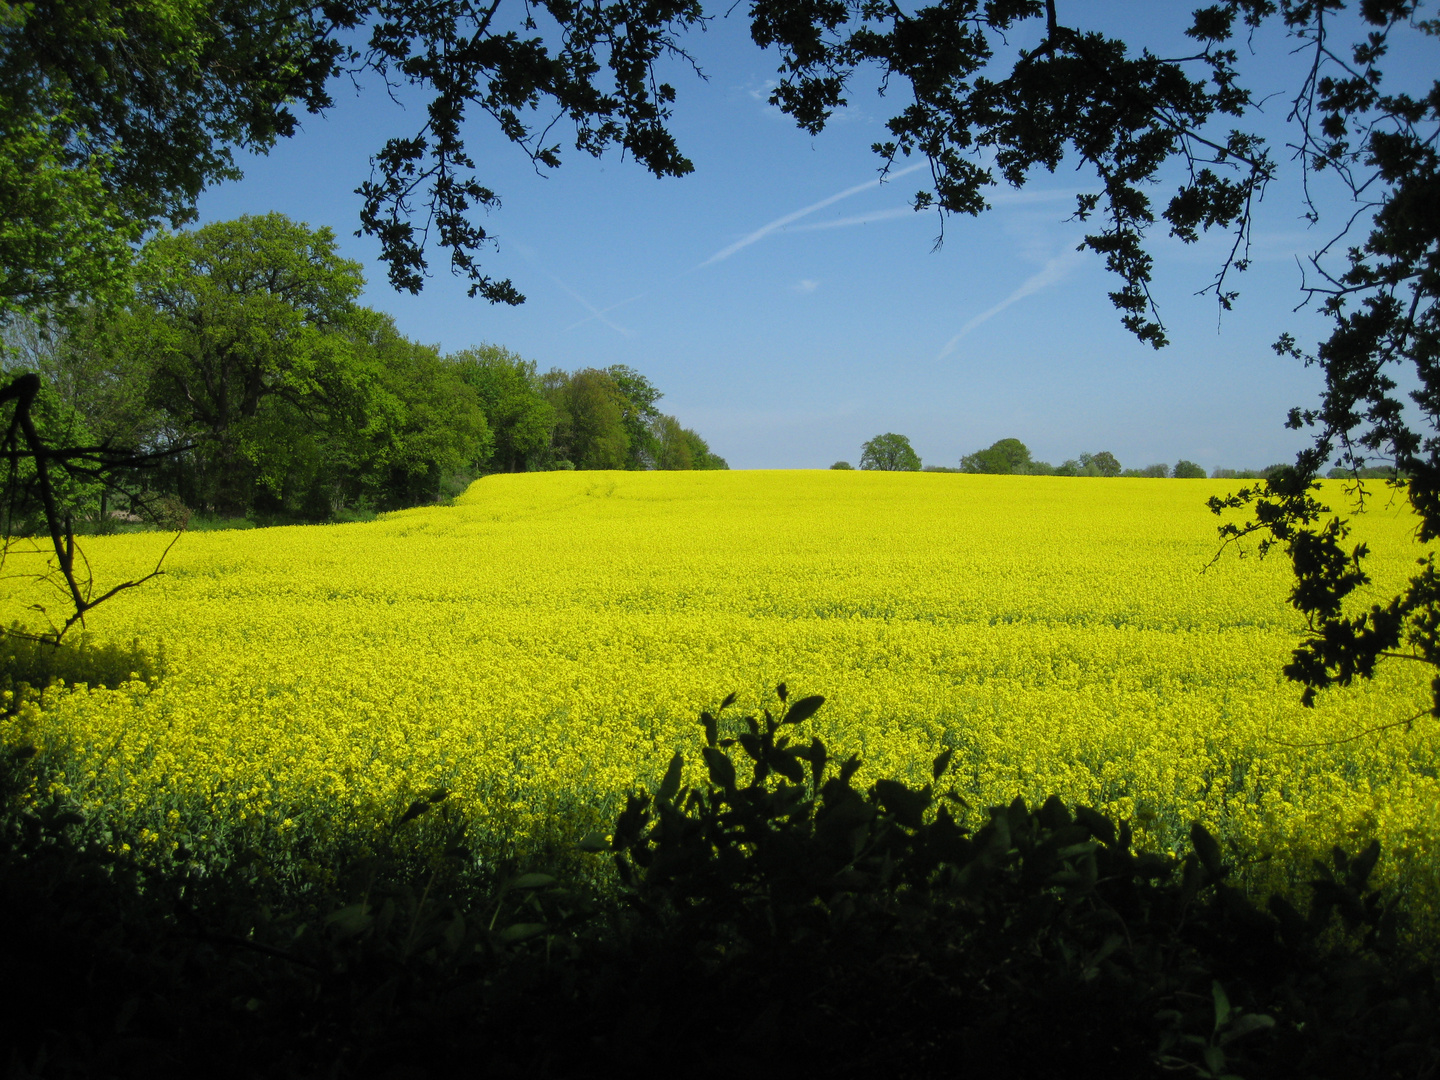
893 452
242 351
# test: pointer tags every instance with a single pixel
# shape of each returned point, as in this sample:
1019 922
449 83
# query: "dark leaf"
1363 864
671 783
803 709
1208 850
818 757
942 762
787 765
722 769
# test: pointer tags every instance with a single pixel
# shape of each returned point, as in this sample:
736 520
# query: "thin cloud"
781 222
1055 270
806 285
998 198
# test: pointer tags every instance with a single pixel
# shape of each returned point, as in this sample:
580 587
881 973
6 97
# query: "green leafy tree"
1004 456
85 378
1188 470
232 320
842 465
1102 464
672 448
521 420
431 432
638 414
116 116
590 428
891 453
700 453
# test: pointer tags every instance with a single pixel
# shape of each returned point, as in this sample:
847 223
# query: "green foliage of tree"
638 415
890 453
701 454
521 419
590 419
680 447
77 496
1103 463
116 115
1188 470
1003 456
842 465
1153 472
239 330
425 423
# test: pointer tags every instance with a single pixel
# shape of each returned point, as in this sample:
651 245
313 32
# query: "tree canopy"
116 116
244 333
891 453
1002 456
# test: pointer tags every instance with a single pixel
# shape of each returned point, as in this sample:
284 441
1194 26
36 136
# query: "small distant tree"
1104 463
1004 456
1151 472
842 465
1188 470
889 453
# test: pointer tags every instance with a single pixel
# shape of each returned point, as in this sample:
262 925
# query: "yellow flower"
549 641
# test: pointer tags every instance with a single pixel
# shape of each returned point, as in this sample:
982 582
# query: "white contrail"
1048 275
998 198
605 311
858 219
595 313
529 256
780 223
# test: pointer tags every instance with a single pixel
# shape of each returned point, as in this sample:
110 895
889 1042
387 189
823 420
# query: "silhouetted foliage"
773 910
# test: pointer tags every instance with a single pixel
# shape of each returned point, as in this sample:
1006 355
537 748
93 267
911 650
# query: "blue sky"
790 306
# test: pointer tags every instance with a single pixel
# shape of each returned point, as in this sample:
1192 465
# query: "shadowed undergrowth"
777 909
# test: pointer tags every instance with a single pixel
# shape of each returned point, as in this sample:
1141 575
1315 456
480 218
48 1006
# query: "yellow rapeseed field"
547 642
